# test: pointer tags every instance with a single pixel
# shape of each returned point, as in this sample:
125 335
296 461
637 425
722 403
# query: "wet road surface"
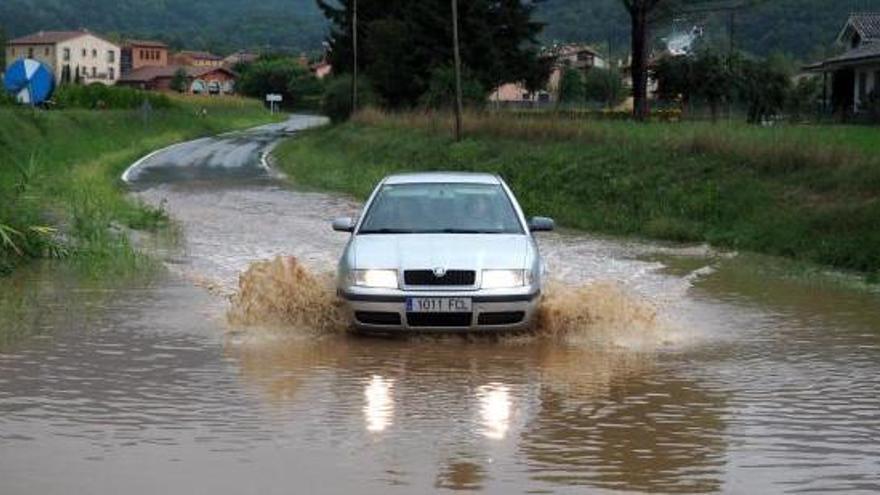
698 371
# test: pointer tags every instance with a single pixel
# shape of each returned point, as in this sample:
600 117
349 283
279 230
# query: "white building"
853 76
72 55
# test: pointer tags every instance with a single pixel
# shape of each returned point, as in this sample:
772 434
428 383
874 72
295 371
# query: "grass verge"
60 192
808 193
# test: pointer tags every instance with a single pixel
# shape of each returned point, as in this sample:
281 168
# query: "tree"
675 83
713 79
2 44
179 80
804 97
764 87
279 75
336 101
640 12
644 13
571 87
604 86
441 90
402 42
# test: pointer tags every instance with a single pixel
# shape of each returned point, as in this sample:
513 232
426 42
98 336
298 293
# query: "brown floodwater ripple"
653 368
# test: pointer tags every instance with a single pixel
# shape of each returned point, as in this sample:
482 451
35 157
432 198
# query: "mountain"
796 27
217 25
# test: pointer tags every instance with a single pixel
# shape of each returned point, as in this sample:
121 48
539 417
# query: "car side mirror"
541 224
343 224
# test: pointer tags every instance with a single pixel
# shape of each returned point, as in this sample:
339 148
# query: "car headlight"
380 279
503 279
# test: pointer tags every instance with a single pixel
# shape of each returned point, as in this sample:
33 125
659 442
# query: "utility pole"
457 54
354 42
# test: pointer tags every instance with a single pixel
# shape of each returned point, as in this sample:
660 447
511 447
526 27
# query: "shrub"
871 107
280 75
178 81
101 97
336 102
803 99
764 86
441 90
571 87
604 86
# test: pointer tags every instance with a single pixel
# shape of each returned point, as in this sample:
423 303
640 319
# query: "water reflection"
495 410
461 475
650 433
379 409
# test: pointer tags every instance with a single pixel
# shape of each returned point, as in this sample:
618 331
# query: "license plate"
438 305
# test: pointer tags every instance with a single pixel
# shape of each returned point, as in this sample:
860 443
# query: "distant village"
86 57
848 79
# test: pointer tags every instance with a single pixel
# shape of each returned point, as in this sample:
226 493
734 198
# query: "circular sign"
30 81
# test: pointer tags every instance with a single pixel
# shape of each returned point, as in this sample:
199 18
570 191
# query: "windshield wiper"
386 231
468 231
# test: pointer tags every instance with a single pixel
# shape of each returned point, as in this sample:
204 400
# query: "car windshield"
442 209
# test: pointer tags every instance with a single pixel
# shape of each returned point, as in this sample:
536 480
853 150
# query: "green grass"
808 193
59 177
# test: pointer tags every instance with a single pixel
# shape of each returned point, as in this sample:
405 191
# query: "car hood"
450 251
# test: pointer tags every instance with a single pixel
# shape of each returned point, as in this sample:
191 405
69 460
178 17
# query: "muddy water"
679 369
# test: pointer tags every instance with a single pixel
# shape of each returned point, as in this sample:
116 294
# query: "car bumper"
492 311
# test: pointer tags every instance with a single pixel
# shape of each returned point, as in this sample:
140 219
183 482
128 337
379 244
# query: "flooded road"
681 369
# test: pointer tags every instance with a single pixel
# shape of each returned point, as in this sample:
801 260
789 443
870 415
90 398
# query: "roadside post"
274 101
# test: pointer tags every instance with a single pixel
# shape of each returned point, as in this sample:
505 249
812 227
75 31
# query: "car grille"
439 319
377 318
501 318
452 277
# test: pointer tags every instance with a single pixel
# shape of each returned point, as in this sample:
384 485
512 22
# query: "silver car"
441 251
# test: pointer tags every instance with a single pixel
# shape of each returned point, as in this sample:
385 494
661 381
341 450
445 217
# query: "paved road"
232 155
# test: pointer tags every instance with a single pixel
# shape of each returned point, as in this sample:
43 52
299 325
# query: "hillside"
219 25
797 27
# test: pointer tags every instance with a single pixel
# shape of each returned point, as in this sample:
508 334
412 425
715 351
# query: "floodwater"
670 369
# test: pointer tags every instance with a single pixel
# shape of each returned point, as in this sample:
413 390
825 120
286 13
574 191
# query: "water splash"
283 292
602 313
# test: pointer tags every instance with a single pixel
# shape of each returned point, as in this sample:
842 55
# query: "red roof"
50 37
200 55
146 43
147 74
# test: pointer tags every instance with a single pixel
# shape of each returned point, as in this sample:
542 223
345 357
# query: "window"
66 54
30 53
111 56
454 208
46 51
876 89
112 73
94 72
84 53
94 53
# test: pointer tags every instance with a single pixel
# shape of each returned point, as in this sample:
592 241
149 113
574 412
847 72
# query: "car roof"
442 177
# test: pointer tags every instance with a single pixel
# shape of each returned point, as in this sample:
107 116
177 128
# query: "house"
322 69
72 55
580 57
517 94
197 59
240 57
566 56
141 53
198 80
854 75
